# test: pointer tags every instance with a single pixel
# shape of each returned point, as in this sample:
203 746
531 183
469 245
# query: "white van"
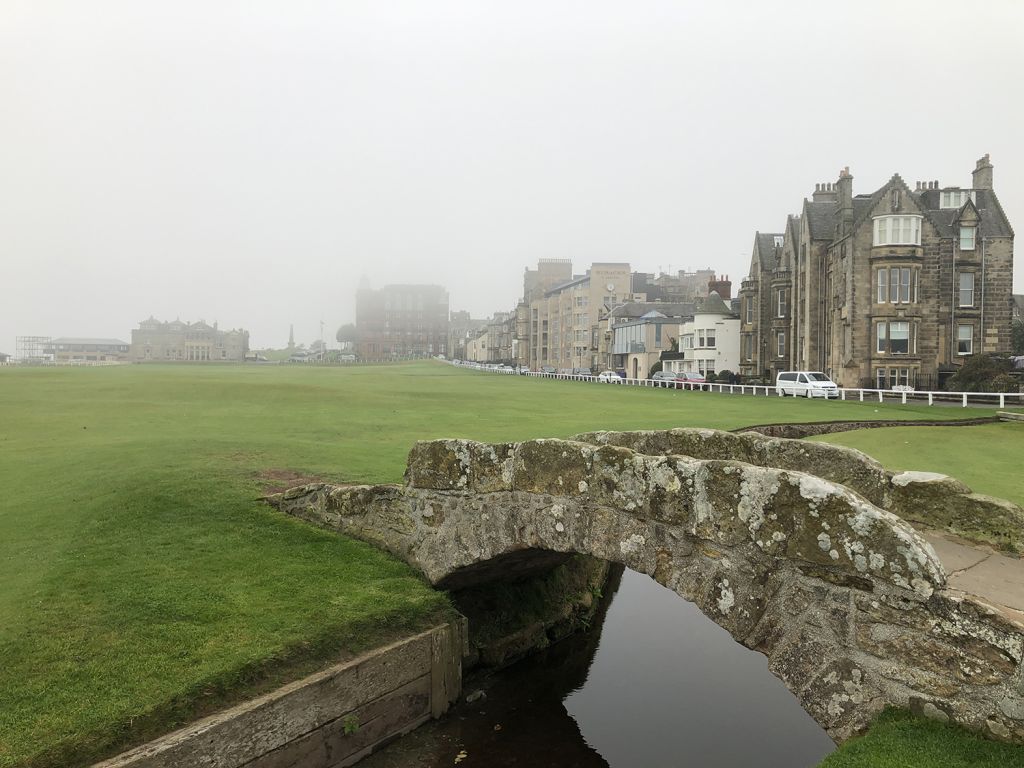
805 384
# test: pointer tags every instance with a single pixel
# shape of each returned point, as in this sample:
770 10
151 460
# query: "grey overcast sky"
247 162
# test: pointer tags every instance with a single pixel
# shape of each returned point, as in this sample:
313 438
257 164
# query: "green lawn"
142 580
899 740
988 457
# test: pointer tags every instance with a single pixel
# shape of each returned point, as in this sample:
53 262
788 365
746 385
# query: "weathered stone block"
558 467
460 465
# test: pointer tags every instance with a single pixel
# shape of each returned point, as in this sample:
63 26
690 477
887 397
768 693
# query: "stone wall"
845 599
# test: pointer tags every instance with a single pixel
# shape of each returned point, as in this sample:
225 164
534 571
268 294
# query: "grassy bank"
987 457
899 740
144 583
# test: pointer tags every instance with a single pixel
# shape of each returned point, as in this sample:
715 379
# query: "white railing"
1001 399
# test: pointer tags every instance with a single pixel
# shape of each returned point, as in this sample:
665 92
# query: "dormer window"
967 238
955 198
897 230
778 241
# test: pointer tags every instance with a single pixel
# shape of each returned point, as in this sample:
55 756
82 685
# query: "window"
899 338
954 198
750 309
709 338
964 339
966 289
896 285
966 238
781 308
748 347
780 340
897 230
893 338
700 338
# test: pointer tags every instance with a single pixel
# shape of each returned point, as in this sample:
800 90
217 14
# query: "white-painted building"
710 342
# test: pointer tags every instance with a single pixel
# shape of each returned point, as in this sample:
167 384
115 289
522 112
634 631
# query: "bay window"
894 338
896 285
897 230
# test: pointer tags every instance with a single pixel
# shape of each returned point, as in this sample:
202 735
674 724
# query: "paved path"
994 577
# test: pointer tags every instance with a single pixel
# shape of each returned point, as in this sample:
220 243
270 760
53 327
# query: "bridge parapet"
846 599
928 498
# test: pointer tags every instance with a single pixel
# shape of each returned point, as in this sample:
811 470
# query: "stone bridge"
799 550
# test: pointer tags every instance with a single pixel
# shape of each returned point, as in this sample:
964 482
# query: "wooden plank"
243 733
330 745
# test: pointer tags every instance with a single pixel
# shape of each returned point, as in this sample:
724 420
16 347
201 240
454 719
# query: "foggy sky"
247 162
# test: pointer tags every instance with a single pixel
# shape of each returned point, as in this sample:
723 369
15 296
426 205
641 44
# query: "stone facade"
847 601
180 342
565 319
895 287
402 320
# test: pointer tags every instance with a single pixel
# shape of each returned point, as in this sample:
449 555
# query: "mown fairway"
143 581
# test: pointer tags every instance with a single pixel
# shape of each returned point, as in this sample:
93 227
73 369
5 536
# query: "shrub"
983 373
654 369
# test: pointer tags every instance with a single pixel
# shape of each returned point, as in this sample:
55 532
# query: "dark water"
655 685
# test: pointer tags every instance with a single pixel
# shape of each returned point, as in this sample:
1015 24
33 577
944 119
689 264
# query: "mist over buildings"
249 162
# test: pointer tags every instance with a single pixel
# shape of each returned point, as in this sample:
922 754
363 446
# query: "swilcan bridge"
799 550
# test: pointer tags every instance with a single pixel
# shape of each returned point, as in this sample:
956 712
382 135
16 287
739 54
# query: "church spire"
291 337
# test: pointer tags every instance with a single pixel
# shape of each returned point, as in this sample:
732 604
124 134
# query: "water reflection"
654 684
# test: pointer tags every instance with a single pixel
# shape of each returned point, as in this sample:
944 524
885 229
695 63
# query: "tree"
347 332
654 369
1017 337
725 376
983 373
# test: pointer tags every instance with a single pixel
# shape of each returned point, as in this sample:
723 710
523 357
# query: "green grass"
144 583
897 739
987 457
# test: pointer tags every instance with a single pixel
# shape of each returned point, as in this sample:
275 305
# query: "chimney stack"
825 193
722 286
982 174
844 187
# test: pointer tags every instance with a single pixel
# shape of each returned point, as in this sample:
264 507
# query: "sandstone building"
177 341
563 325
894 287
402 320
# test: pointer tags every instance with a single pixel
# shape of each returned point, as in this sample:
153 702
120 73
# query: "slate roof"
88 341
636 309
764 242
712 304
993 219
561 286
820 218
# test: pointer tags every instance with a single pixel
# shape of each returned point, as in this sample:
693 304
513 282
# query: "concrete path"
994 577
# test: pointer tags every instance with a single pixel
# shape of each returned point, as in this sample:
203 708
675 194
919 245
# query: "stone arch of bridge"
844 598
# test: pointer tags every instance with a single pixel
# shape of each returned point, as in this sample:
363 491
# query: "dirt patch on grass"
278 480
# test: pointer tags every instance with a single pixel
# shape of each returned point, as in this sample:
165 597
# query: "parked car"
665 379
806 384
609 377
582 372
548 370
691 379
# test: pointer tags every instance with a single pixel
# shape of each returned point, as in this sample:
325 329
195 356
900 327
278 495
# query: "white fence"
963 399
